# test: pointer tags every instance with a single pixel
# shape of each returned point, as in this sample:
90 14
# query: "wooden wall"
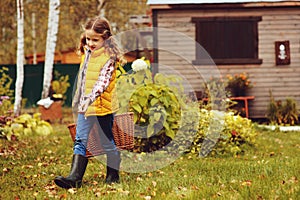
176 51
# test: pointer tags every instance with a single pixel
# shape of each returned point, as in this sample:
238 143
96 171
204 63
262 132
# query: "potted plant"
238 85
59 86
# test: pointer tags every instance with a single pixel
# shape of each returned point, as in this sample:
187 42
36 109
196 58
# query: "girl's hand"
85 104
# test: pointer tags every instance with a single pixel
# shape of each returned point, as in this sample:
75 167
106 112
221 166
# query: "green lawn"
270 171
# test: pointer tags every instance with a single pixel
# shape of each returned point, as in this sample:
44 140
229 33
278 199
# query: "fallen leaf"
63 196
72 190
154 183
147 197
5 169
246 183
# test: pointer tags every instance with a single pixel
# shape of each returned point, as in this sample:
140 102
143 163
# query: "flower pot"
237 92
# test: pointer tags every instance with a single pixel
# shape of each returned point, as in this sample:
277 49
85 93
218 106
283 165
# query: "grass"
269 171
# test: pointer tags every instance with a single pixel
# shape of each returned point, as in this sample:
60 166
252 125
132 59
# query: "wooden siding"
176 51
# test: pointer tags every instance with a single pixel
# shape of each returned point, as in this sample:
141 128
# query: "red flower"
234 133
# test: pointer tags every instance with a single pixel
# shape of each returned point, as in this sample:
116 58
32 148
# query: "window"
230 40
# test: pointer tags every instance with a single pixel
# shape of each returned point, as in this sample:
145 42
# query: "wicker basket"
94 147
123 131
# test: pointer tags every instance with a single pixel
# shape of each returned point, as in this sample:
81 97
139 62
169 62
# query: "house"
199 39
64 57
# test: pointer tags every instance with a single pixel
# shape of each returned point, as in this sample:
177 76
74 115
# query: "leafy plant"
6 106
60 84
158 104
290 111
279 112
217 95
229 134
5 83
214 88
6 93
25 125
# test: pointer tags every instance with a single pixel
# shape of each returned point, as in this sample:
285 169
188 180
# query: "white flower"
138 65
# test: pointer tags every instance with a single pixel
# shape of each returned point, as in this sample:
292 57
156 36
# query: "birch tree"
20 58
101 8
53 20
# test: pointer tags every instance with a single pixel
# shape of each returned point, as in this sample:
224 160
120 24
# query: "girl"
94 100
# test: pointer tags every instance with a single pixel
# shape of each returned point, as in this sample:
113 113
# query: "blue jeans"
83 128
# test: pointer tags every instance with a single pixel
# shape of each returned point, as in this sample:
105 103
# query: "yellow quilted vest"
107 102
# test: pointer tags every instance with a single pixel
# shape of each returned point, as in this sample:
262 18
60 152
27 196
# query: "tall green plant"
290 111
279 112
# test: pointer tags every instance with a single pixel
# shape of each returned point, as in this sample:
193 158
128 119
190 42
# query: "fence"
33 80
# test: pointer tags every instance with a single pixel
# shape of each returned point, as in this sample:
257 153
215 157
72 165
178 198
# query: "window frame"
226 61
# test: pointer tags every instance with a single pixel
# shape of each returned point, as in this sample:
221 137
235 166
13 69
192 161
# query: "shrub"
279 112
159 105
25 125
222 133
12 126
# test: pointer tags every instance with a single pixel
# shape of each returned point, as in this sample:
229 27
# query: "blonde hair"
101 26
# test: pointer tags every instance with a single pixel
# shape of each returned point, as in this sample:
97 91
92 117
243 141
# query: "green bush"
25 125
224 133
279 112
159 106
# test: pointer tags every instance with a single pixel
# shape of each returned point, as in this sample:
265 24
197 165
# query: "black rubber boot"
74 180
112 168
112 175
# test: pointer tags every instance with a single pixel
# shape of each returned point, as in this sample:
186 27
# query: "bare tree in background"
53 21
20 58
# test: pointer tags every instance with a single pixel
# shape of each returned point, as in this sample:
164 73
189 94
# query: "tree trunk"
101 8
53 20
34 39
20 58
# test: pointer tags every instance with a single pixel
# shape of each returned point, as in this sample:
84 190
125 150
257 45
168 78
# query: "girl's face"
94 40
